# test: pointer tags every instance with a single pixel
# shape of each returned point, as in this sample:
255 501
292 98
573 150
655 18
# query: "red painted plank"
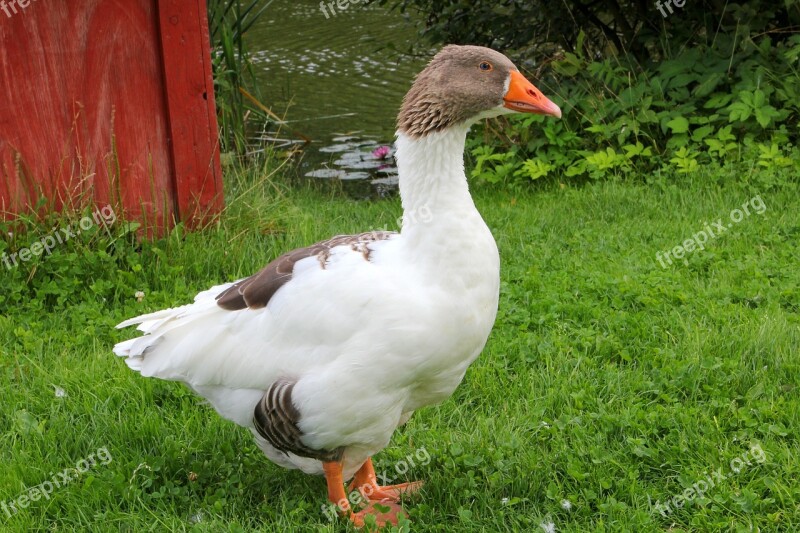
83 110
192 113
88 112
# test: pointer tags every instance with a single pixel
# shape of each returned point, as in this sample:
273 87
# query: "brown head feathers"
458 85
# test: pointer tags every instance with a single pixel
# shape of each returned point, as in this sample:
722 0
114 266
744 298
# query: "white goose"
328 349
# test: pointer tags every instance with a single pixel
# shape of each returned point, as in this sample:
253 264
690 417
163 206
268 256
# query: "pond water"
338 77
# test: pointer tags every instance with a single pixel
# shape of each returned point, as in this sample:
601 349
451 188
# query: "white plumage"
367 341
360 333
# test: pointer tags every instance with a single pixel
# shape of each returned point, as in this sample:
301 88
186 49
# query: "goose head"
463 84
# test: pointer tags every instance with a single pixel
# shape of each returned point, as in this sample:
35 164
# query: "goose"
328 349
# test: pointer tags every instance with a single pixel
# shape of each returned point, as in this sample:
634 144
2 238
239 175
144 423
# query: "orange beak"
523 97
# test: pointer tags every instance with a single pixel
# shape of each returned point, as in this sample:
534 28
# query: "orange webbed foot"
366 482
389 493
382 501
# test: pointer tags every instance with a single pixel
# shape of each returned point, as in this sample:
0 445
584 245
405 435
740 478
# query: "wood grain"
93 109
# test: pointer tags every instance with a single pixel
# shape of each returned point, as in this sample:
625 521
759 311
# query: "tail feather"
152 321
156 325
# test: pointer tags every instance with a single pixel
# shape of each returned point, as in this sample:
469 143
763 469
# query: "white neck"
432 179
443 236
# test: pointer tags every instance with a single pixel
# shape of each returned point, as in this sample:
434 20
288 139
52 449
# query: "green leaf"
536 168
755 392
701 133
759 98
27 423
678 125
707 85
718 101
739 111
764 115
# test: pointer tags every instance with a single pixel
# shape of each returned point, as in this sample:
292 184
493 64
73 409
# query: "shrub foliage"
711 83
635 27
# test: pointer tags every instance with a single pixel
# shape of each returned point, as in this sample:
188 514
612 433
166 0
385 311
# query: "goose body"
328 349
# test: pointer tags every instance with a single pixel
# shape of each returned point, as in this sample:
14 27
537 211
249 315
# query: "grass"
609 382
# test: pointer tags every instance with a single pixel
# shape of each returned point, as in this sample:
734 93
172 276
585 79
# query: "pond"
338 77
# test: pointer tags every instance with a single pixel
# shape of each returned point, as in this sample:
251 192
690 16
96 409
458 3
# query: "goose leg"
337 496
336 493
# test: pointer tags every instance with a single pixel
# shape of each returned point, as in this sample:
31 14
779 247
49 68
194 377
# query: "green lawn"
609 384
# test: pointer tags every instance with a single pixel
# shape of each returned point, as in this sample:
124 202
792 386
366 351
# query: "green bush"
646 31
712 83
709 104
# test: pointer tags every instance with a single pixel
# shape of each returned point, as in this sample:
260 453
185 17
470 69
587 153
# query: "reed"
229 21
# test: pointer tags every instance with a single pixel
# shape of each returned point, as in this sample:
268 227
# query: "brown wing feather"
256 291
275 418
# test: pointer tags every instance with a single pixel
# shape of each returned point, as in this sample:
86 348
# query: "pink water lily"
381 152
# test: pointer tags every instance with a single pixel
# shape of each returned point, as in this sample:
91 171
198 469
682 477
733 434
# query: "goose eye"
485 66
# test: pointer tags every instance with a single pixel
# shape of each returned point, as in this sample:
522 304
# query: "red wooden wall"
111 102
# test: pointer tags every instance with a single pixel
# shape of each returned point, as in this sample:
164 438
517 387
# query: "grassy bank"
610 383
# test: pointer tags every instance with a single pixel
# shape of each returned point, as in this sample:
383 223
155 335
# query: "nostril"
533 93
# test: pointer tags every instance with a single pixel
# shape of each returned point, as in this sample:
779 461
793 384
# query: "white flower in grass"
139 296
548 527
60 393
504 501
566 505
